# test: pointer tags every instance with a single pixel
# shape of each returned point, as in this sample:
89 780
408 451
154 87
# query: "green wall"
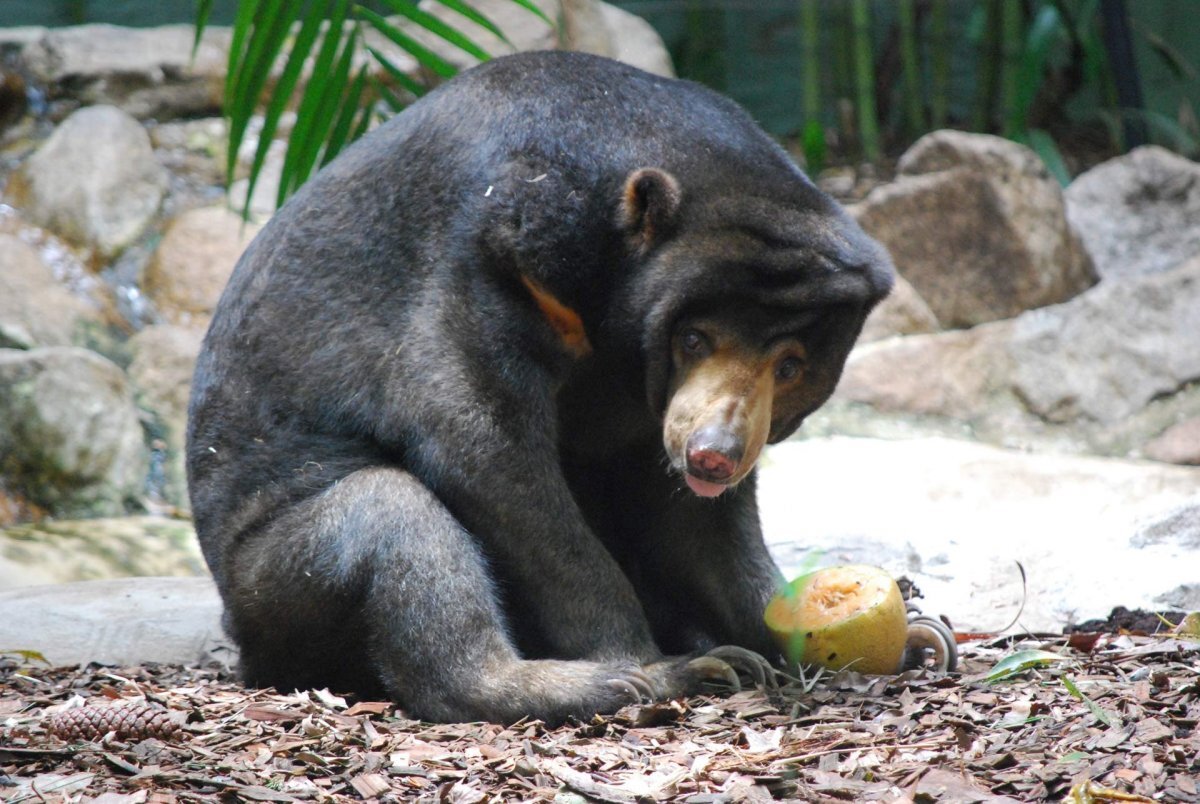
747 48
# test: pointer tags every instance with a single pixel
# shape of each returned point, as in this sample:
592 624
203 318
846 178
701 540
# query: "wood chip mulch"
1121 711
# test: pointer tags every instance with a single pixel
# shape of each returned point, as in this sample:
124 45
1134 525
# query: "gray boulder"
1105 355
148 72
590 26
903 312
1179 443
1138 213
70 436
95 181
958 374
1099 358
193 261
593 26
978 227
35 310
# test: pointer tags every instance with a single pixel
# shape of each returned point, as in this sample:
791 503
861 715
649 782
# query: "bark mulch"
1119 711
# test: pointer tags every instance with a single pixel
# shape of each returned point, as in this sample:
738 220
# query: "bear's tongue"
703 488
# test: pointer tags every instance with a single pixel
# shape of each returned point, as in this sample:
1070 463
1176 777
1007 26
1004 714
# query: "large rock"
903 312
977 225
590 26
1138 213
61 551
35 310
148 72
956 374
1179 443
164 358
70 435
95 181
1106 354
593 26
1099 358
123 622
956 517
189 269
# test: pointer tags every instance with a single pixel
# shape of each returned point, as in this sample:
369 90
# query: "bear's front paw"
724 665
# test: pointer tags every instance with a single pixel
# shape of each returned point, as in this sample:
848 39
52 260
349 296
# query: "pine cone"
128 720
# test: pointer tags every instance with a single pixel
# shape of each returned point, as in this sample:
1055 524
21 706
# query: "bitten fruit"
848 616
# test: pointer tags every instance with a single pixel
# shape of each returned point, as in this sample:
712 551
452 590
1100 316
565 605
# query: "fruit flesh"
850 616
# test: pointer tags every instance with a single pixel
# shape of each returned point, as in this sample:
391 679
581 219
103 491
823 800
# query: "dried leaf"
759 742
329 700
838 740
370 785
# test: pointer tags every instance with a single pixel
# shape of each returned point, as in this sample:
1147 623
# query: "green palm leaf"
433 24
396 74
203 12
330 74
264 39
336 105
418 51
464 10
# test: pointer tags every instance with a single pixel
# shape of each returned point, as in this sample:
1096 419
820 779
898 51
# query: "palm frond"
330 73
436 26
336 102
422 54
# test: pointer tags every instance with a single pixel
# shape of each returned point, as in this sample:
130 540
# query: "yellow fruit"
850 616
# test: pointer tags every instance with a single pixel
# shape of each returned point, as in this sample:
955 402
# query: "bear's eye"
694 343
789 369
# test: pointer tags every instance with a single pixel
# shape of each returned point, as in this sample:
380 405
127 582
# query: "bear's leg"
374 580
704 572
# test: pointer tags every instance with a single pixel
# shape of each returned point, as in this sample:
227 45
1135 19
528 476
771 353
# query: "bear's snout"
714 453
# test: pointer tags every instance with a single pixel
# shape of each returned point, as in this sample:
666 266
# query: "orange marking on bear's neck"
565 321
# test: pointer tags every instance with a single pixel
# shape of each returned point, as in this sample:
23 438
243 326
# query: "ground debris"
1120 716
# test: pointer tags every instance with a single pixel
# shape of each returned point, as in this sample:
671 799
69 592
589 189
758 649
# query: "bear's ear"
649 204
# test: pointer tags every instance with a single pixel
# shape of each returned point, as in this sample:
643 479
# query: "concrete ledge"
122 622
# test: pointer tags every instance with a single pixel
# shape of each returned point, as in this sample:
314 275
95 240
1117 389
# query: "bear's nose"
713 453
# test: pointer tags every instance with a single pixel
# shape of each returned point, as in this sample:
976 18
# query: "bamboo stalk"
939 90
988 69
864 78
910 67
813 133
1012 39
810 43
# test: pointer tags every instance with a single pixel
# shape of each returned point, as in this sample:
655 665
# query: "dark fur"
402 479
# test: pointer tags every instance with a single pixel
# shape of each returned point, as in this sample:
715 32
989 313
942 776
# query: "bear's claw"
747 661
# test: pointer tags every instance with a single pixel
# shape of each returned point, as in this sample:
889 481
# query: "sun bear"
475 422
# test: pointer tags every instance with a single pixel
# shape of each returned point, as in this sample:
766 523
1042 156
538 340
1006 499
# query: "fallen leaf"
760 742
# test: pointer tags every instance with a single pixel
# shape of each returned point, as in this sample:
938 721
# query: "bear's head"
749 303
